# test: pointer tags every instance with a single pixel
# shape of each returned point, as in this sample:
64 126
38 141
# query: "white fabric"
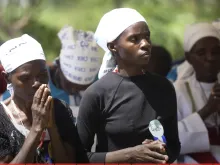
19 51
193 132
184 70
80 57
216 24
73 105
195 32
111 25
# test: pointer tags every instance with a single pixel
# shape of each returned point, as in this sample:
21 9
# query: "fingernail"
166 157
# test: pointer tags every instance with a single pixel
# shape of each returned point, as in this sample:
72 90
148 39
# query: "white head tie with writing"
80 57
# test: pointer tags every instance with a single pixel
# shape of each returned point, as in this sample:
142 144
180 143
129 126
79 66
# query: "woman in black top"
119 107
34 128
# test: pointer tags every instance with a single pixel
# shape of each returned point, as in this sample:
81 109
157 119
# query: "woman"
76 68
198 95
33 126
120 106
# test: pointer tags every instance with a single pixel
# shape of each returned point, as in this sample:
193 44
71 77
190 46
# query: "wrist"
204 112
36 131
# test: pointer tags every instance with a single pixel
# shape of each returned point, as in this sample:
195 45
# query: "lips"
146 54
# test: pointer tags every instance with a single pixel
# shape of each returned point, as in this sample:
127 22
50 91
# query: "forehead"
32 67
137 28
207 42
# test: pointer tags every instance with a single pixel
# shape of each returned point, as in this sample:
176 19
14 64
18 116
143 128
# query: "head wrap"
19 51
216 24
111 25
80 57
195 32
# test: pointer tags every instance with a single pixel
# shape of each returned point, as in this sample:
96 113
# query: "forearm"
60 153
204 112
120 156
28 150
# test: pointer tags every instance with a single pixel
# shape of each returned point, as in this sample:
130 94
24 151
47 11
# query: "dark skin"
32 98
61 82
132 52
205 59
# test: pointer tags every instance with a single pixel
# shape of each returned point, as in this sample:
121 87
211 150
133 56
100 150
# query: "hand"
149 141
213 104
149 152
41 108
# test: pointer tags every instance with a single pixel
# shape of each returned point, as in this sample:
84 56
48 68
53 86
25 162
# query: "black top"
118 109
11 145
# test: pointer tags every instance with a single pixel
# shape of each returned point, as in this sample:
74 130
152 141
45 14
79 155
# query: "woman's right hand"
213 103
149 153
41 107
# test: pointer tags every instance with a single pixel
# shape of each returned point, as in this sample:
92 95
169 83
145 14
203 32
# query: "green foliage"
166 18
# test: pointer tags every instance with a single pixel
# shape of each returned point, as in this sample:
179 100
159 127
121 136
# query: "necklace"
215 115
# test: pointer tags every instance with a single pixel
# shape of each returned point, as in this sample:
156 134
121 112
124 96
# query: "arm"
27 152
88 122
193 133
62 152
171 126
66 130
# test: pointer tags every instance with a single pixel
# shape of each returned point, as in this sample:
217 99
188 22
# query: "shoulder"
180 86
103 85
160 83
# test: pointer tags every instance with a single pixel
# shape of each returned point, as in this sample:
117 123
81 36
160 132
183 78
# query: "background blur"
43 19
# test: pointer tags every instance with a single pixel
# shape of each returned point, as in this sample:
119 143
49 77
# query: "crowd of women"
130 106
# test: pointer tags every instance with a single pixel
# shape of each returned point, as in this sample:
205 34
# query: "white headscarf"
80 57
193 34
216 24
111 25
19 51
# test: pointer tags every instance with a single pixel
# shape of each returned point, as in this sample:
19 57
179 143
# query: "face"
27 78
68 86
205 59
133 46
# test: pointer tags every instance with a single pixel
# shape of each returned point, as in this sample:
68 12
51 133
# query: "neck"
22 105
129 71
206 79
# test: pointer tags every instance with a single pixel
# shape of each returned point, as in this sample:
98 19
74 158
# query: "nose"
210 56
145 44
36 84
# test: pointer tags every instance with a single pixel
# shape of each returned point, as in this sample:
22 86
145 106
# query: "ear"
6 76
188 57
112 47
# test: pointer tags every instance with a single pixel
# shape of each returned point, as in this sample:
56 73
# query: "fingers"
156 146
159 156
154 160
216 90
146 141
38 94
44 97
48 103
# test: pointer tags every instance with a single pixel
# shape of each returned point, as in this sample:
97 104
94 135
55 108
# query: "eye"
200 52
133 39
43 77
24 78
